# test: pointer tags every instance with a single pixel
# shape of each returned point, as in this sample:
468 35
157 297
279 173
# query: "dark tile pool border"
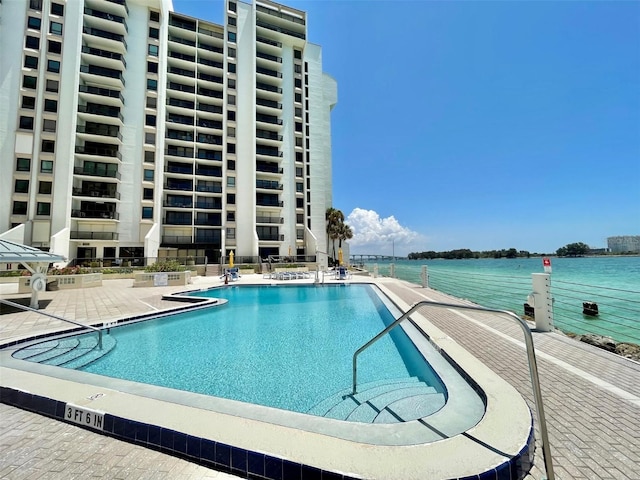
228 458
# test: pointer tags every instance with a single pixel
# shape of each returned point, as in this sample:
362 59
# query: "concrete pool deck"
592 398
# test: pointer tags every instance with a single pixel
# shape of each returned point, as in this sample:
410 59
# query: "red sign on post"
546 263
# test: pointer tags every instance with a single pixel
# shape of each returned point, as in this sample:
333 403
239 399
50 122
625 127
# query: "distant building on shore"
624 244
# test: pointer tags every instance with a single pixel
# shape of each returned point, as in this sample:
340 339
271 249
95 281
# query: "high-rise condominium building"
130 130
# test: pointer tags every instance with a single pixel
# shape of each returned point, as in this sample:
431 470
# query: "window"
299 187
35 5
231 52
43 208
44 188
231 99
231 132
231 115
298 83
232 68
297 68
150 120
52 86
297 54
26 123
46 166
299 158
147 212
53 66
23 165
152 67
149 138
231 233
298 142
154 16
149 157
231 164
19 208
231 181
152 102
55 47
298 126
298 171
55 28
298 112
147 194
153 50
32 42
48 146
299 202
231 148
152 84
231 198
231 216
154 32
231 83
231 36
48 125
21 186
232 6
57 9
298 97
148 175
30 62
28 102
50 105
29 82
34 23
232 21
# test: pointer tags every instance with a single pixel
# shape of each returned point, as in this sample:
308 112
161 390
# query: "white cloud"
375 235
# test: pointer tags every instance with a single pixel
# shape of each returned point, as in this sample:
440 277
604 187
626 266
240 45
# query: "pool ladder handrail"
50 315
531 356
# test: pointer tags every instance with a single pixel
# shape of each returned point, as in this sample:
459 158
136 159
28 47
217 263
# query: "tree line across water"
577 249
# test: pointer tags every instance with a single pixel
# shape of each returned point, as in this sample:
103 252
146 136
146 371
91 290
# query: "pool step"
71 352
388 401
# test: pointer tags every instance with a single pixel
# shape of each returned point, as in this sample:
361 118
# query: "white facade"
129 130
624 244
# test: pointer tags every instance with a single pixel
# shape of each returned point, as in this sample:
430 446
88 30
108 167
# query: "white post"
375 270
425 277
543 303
392 270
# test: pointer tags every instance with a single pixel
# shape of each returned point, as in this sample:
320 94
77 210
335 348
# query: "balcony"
102 92
179 135
99 129
268 184
103 34
202 122
276 220
210 63
179 87
110 17
178 218
182 72
95 214
206 188
101 151
270 237
210 48
211 33
93 169
184 186
178 204
182 56
268 167
179 168
205 107
92 190
211 219
268 103
210 78
175 102
182 41
180 119
209 139
176 239
209 155
216 204
264 202
268 151
282 30
268 88
268 56
182 23
101 110
269 72
272 119
78 235
98 52
209 172
208 236
207 92
268 41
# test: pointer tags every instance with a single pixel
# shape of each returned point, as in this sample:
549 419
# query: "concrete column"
424 275
392 270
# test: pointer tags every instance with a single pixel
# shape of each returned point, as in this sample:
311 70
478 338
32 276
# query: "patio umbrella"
231 259
340 256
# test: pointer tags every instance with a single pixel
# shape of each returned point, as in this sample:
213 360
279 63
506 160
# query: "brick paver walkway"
591 397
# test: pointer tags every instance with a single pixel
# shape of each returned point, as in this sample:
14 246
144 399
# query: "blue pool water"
284 347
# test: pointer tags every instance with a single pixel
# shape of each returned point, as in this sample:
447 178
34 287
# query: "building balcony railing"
210 205
270 237
280 14
210 78
210 63
122 3
183 72
268 152
86 192
209 188
176 239
210 93
97 172
209 172
209 139
277 220
268 56
173 204
182 56
179 152
178 169
106 16
209 155
210 124
268 184
182 41
269 72
176 102
101 152
177 221
269 203
96 32
180 119
266 134
268 168
210 33
180 87
210 48
268 41
102 72
211 222
101 110
100 129
78 235
183 187
95 214
103 92
104 54
268 88
204 107
284 31
268 119
185 24
268 103
179 135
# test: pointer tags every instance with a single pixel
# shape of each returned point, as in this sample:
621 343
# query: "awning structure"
34 260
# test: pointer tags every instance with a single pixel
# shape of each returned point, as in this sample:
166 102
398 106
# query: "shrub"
68 271
165 266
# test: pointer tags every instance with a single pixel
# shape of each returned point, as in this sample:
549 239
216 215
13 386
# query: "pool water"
284 347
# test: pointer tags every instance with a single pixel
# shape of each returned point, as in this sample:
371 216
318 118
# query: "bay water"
613 282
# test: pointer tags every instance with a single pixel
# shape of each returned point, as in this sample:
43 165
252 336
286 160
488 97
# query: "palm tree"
344 233
335 218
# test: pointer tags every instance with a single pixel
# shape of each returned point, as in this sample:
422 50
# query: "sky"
479 124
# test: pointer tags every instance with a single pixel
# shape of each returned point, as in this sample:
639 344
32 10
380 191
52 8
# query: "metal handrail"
531 356
24 307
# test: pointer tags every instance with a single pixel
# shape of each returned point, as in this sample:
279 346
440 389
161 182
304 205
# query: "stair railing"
531 357
24 307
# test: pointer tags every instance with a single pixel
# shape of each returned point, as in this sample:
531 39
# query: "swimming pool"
230 421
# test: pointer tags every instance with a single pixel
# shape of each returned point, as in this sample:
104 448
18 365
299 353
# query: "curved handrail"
531 356
50 315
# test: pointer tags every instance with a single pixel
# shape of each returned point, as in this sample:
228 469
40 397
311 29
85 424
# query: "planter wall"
161 279
64 281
